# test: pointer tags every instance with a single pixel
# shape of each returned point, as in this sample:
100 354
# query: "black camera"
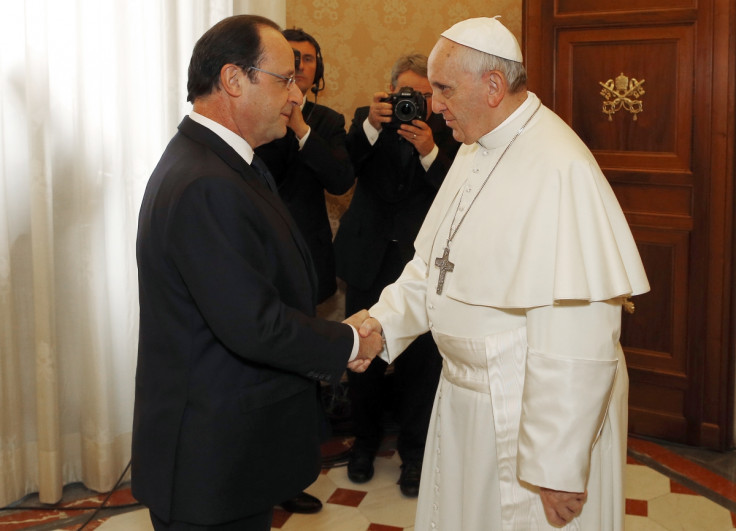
408 104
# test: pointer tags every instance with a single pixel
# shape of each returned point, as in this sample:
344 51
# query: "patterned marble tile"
348 497
656 500
643 483
687 512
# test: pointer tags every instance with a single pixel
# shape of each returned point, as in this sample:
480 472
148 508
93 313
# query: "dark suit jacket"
226 419
391 198
303 176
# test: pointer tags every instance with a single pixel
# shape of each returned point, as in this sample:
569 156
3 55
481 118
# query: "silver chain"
452 233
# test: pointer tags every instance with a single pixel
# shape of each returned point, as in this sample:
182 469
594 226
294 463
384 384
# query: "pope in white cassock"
520 272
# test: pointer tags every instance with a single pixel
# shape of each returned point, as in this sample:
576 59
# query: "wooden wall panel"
661 57
654 336
630 7
672 170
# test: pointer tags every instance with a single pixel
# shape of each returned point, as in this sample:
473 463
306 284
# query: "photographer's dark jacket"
303 176
392 196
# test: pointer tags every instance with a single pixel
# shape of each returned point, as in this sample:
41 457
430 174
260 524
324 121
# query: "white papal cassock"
534 385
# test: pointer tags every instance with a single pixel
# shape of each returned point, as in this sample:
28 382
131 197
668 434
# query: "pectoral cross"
445 267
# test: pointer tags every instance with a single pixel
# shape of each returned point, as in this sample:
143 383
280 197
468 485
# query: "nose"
437 105
295 94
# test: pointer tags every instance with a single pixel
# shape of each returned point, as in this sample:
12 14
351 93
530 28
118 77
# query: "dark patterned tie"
262 170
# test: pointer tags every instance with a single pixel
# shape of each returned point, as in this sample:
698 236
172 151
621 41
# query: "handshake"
371 341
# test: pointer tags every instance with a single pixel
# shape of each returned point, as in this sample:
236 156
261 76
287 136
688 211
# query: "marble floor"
668 487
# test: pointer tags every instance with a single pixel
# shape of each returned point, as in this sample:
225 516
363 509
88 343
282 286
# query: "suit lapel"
222 149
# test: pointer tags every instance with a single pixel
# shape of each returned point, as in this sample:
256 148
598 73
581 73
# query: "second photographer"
400 161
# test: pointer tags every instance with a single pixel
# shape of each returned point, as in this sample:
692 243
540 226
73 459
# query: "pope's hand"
560 506
370 325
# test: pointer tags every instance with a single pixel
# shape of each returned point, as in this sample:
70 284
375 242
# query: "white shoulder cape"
546 227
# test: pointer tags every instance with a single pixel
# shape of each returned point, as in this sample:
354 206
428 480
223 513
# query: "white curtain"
90 93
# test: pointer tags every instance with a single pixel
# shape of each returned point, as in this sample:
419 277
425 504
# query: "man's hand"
371 342
380 111
419 134
357 319
297 123
561 507
369 348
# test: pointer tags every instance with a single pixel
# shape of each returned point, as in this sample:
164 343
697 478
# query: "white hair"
477 62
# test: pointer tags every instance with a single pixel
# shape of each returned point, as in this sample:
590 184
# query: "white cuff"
303 140
371 132
563 408
356 344
429 158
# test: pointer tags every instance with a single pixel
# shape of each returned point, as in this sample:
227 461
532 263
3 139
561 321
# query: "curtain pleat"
90 93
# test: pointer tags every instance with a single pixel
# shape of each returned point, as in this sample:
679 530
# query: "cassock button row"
434 506
431 306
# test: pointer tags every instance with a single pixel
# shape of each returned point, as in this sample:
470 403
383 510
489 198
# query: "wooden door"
649 86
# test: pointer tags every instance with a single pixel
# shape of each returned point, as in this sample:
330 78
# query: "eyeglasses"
289 80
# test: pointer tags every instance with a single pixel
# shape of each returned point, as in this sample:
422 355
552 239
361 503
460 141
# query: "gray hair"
415 62
477 62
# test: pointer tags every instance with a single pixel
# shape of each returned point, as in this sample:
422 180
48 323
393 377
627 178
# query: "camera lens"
405 110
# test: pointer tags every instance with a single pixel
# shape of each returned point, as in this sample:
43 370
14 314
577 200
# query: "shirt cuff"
303 140
356 344
370 132
428 159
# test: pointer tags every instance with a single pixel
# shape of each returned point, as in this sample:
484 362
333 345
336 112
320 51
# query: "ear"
496 87
231 77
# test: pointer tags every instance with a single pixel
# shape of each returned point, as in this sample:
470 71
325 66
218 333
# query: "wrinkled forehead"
442 57
276 49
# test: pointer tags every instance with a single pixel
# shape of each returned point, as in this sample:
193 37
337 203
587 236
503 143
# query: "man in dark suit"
226 419
400 165
308 160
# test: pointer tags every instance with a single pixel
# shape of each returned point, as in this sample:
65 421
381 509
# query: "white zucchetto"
486 35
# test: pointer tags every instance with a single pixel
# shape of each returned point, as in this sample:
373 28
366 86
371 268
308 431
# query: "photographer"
311 159
400 162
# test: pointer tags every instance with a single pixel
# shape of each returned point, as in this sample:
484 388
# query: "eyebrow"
439 85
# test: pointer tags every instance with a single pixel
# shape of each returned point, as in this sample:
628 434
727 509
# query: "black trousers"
255 522
416 375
